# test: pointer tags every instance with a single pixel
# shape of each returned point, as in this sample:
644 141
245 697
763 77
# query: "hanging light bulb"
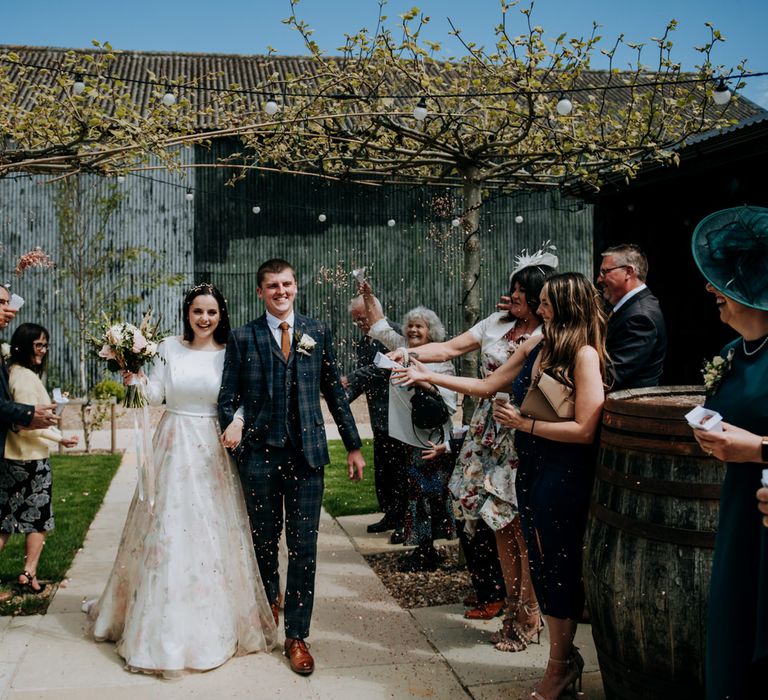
456 223
256 210
322 218
420 110
169 99
519 219
722 94
391 223
564 106
78 87
121 179
271 107
189 196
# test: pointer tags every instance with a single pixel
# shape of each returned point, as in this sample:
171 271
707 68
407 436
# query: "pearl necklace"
756 350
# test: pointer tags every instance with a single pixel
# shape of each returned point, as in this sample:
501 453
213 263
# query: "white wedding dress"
185 591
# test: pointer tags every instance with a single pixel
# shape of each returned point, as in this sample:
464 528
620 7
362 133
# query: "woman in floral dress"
483 481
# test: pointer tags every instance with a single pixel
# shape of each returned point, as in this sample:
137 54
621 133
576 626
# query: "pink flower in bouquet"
139 342
107 353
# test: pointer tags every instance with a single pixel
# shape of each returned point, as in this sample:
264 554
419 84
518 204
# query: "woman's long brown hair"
578 319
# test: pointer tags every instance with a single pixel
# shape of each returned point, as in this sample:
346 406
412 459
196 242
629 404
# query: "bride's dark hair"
221 333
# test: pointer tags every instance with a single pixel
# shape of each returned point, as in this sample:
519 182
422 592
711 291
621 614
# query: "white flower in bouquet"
114 334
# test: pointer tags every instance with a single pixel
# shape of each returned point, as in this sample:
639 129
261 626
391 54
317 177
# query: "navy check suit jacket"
247 382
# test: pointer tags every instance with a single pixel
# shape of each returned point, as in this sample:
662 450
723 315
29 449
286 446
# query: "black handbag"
428 410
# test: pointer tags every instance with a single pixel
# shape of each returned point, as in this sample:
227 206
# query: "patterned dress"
483 481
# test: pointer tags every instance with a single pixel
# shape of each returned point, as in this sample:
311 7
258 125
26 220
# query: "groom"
275 368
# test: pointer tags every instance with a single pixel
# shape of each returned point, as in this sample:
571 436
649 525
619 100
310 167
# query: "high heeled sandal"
27 586
571 679
517 634
512 605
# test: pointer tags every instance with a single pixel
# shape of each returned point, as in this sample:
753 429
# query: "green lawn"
79 485
345 497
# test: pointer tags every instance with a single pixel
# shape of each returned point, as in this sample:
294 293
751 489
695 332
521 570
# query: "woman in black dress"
731 249
554 477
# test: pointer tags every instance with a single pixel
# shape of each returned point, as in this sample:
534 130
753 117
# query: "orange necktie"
285 340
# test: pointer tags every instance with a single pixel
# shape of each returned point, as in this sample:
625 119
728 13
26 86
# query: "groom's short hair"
274 266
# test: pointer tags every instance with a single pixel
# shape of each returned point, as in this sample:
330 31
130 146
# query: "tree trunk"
470 278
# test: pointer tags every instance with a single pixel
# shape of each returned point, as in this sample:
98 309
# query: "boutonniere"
305 343
714 370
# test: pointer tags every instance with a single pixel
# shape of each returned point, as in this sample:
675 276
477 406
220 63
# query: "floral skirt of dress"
185 592
483 481
25 496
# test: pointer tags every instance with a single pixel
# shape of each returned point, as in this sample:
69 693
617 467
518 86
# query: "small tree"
99 276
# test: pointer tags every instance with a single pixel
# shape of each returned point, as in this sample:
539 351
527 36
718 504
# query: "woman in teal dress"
731 249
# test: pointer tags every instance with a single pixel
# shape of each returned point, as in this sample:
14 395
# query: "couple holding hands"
194 583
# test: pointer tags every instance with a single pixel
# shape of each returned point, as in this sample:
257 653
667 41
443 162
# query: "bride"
185 591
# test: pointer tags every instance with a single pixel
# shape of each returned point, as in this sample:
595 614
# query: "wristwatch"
764 450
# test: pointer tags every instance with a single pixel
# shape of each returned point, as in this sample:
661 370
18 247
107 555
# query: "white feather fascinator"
546 255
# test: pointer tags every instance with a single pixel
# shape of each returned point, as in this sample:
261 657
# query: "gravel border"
448 585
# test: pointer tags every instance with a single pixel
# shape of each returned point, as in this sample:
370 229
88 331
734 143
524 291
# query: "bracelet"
533 425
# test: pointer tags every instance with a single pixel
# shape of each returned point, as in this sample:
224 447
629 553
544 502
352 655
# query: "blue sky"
250 26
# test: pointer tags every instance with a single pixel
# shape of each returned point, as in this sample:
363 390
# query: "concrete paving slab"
465 645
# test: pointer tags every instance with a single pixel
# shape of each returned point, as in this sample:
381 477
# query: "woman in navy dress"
731 249
554 476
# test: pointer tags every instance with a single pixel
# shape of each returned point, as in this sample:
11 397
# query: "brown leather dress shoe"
276 613
299 657
485 611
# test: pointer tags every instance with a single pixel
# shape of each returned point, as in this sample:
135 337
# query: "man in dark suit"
389 455
275 368
637 335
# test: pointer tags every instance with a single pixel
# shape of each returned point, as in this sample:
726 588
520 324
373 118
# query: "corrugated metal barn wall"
154 213
218 237
416 261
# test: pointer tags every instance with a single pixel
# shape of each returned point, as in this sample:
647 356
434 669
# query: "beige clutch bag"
548 400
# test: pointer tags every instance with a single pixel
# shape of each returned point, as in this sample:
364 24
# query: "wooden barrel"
649 544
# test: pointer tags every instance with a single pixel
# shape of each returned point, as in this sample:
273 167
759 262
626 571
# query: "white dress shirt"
274 325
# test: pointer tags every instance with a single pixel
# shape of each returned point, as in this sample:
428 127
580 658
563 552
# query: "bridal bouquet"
128 347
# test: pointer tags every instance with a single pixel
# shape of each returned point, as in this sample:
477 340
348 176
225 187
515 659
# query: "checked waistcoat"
284 424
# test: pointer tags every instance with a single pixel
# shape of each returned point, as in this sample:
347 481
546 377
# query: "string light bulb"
322 218
121 179
721 95
456 223
271 107
519 219
391 223
169 99
78 87
189 196
564 106
420 110
256 210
